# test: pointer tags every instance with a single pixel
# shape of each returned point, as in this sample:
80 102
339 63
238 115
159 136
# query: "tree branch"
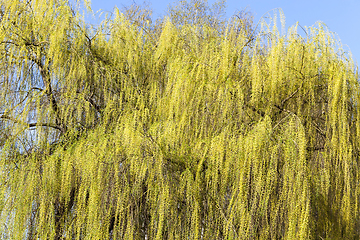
9 42
44 72
262 114
289 97
29 125
97 108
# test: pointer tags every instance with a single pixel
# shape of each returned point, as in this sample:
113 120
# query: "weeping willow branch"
217 131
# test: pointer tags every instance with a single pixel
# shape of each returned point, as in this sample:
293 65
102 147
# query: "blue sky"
341 16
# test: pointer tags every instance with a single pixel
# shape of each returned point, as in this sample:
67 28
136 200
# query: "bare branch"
9 42
289 97
44 72
30 125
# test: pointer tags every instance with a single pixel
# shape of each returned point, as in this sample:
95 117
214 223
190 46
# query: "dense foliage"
189 127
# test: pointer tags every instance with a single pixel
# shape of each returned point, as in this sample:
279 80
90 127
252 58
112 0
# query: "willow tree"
189 127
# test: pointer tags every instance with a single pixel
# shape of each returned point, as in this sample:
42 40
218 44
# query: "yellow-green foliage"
190 127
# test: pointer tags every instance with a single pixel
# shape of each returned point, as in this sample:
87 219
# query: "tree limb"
44 72
29 125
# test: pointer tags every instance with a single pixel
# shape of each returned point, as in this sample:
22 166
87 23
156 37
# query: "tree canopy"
192 126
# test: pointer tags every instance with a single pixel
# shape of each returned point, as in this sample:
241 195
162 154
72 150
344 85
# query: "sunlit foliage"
192 126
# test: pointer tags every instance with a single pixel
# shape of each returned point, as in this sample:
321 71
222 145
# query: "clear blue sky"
341 16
